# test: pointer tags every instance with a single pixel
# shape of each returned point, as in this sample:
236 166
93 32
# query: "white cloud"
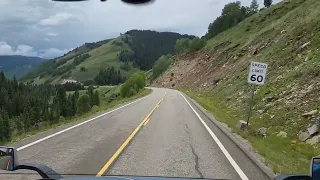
52 34
56 19
5 49
26 50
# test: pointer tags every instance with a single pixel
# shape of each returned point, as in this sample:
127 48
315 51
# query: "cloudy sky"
49 29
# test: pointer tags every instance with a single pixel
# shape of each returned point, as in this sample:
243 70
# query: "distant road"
176 140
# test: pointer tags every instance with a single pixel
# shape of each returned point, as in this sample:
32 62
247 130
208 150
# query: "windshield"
160 88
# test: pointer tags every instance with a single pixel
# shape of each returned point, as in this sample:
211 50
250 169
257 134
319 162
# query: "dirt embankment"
193 71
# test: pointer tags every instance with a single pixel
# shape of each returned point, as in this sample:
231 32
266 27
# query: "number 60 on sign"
257 73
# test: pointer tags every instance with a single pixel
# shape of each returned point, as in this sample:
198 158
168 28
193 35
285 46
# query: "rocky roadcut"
286 118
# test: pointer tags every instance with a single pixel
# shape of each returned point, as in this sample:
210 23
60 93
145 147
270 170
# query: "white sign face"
257 73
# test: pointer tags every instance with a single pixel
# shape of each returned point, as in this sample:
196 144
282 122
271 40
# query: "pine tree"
2 78
74 104
44 112
76 93
15 83
69 106
26 117
267 3
96 98
55 111
34 115
84 104
254 5
19 125
62 99
5 131
91 95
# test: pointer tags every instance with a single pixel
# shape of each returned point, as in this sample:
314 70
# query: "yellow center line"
145 123
158 105
126 142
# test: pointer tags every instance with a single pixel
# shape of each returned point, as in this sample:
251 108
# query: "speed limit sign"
257 73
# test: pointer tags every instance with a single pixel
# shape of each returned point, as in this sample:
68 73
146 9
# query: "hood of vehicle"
128 178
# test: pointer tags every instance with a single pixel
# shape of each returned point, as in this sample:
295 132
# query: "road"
176 140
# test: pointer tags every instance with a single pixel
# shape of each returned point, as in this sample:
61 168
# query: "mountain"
287 38
135 50
18 65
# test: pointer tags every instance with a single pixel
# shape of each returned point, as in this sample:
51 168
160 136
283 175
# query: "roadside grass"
96 109
282 155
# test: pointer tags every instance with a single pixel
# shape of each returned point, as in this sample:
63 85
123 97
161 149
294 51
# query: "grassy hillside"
128 53
287 38
18 65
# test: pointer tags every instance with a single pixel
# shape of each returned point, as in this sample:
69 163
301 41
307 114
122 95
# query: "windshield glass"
160 88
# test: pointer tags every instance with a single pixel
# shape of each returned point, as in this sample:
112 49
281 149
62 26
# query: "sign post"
257 76
250 104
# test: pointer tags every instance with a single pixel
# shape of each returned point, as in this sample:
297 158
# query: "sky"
49 29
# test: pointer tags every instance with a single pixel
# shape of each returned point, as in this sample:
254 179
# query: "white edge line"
223 149
77 125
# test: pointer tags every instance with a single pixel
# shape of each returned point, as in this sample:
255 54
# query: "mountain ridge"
17 65
128 53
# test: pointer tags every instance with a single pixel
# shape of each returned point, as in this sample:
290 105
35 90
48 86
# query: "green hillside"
287 38
128 53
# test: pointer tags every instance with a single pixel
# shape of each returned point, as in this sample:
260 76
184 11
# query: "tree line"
232 14
69 86
126 55
24 107
109 76
148 46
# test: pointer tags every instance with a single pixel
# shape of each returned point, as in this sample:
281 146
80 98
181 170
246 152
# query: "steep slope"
287 38
18 65
128 53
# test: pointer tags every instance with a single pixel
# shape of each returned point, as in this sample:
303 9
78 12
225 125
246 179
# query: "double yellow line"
147 118
127 141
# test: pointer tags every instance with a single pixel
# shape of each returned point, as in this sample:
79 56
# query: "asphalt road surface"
162 134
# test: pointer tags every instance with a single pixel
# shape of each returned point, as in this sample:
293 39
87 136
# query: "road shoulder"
241 143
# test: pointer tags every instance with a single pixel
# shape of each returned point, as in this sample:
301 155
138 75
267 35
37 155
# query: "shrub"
61 119
189 45
132 92
136 82
84 104
161 65
196 44
83 69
